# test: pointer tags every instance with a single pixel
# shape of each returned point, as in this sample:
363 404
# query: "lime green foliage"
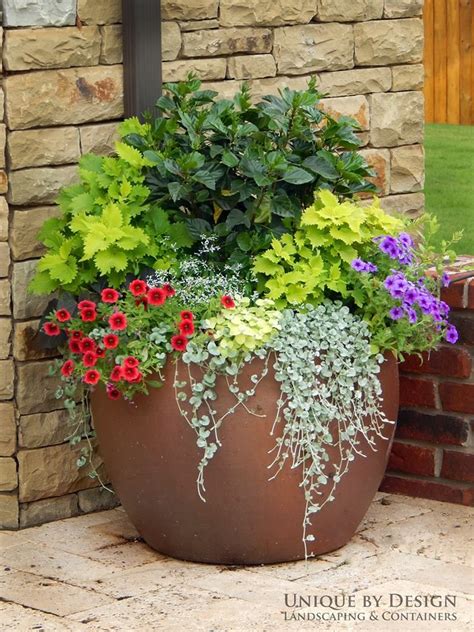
306 266
449 188
108 228
246 328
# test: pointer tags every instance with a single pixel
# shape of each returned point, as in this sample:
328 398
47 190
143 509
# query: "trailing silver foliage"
330 399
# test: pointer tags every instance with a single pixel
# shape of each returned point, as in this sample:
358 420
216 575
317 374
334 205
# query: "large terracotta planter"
151 457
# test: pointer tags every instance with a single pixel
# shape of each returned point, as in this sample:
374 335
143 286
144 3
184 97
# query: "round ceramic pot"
151 456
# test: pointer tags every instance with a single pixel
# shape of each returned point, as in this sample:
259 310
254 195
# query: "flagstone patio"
94 573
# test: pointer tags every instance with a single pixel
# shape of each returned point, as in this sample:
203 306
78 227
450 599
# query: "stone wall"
62 86
62 96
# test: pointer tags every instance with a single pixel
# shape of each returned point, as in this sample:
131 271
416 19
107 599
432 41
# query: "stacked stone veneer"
62 84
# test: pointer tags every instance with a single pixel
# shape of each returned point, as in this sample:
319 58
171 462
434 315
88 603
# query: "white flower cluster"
197 279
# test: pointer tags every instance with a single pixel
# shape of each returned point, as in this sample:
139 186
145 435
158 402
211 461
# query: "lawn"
449 186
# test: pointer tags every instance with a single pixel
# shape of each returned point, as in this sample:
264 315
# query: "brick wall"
433 452
62 86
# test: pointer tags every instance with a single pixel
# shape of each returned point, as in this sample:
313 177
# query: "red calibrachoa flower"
156 296
74 346
113 393
130 373
92 376
116 374
88 315
89 359
67 368
187 315
63 315
179 342
74 334
170 291
110 341
87 344
109 295
51 329
86 305
138 287
131 361
100 353
118 321
228 302
186 327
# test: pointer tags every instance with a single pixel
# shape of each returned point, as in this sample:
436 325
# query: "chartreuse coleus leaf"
318 257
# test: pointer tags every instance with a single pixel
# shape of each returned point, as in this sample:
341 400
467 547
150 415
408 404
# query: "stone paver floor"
94 573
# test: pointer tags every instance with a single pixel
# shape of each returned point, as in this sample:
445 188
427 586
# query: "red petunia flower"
170 291
51 329
100 353
92 376
113 393
138 378
87 344
67 368
63 315
142 300
156 296
75 334
131 361
109 295
86 305
228 302
118 321
116 374
187 315
130 373
186 327
138 287
179 342
110 341
74 346
88 315
89 359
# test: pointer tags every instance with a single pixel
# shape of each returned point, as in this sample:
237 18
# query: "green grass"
449 186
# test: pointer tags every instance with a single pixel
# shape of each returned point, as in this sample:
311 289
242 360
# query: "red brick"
458 493
415 392
470 296
446 361
454 294
437 429
457 397
464 323
412 459
458 466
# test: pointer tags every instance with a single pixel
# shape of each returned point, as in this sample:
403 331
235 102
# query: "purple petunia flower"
444 308
405 240
406 259
411 295
412 315
425 301
445 280
371 267
396 313
389 246
358 265
452 335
